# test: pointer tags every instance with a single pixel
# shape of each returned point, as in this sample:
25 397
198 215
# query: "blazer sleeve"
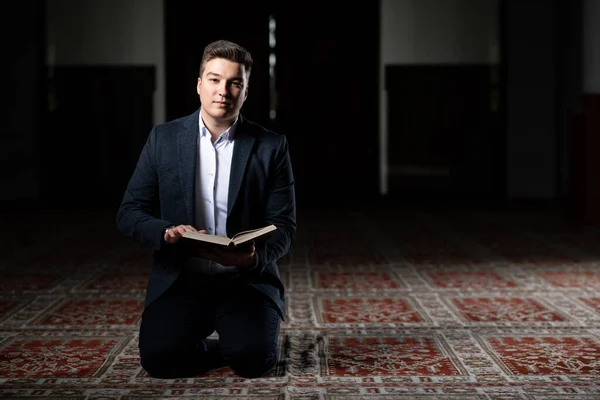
135 216
280 209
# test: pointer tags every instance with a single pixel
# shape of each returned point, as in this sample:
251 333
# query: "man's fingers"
201 253
242 256
173 234
181 229
245 248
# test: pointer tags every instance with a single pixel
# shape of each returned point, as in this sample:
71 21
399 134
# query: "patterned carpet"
382 305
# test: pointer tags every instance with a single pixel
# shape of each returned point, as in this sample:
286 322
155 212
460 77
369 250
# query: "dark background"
83 151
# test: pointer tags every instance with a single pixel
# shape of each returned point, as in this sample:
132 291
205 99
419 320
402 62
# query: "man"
213 172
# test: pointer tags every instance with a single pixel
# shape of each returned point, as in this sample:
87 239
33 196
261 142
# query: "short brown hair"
227 50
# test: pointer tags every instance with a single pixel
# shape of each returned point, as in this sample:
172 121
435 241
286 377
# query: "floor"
383 303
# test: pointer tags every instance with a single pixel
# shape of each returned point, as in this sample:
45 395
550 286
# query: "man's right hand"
174 233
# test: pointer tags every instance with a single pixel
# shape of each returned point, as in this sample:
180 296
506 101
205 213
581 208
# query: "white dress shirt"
212 188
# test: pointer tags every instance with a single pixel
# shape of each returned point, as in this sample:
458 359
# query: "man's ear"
198 84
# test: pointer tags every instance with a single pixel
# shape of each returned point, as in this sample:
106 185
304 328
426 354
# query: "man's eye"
237 83
214 80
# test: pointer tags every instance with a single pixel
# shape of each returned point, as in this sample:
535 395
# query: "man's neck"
217 127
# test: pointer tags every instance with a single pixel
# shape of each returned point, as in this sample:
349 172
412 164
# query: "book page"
204 237
254 233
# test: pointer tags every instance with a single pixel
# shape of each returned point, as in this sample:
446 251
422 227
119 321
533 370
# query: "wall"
439 32
22 100
591 45
433 32
541 53
109 32
531 99
569 84
327 91
585 192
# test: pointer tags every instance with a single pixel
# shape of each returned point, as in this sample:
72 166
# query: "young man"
214 172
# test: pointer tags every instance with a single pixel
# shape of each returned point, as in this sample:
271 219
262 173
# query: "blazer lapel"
241 153
188 152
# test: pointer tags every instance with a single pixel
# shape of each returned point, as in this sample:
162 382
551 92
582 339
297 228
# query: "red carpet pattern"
382 305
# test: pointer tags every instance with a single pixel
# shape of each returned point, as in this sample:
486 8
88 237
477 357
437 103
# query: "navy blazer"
261 192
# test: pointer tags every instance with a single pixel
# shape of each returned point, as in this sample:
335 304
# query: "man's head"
223 81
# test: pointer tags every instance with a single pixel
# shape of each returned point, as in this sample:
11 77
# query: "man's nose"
223 90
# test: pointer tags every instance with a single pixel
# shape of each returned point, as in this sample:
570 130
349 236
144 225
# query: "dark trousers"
173 334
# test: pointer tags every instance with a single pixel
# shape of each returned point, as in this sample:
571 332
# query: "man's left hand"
243 256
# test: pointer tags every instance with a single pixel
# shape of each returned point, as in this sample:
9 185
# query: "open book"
237 239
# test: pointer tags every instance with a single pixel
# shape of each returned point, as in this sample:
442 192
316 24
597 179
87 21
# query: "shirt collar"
229 134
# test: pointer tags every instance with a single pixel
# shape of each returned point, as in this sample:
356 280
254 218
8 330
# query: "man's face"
223 88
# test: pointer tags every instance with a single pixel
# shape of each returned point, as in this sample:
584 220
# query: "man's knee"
158 363
252 362
156 367
162 361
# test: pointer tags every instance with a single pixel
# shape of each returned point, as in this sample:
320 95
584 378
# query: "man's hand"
174 233
243 256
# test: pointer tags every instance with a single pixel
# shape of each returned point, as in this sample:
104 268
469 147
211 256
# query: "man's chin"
222 114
